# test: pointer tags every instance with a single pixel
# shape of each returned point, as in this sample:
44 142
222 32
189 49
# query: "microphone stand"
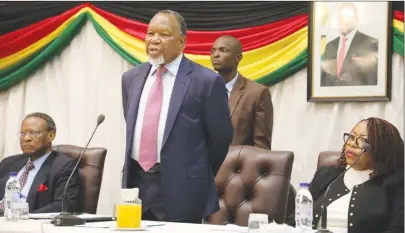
324 213
66 218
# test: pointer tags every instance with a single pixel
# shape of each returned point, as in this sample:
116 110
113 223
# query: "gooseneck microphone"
324 213
65 218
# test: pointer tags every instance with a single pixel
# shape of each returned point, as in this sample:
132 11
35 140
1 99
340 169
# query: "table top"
34 226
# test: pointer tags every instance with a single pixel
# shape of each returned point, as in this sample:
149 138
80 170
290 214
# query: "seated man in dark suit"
42 173
352 58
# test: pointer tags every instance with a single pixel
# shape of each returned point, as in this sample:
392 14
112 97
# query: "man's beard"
157 61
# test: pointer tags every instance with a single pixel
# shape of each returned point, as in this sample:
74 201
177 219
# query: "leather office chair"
328 158
253 180
91 169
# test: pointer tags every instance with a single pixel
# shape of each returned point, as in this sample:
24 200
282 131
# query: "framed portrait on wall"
350 51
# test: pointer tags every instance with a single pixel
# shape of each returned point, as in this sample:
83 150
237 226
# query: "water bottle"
303 208
11 194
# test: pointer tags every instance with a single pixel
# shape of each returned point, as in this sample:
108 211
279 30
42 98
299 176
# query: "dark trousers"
150 194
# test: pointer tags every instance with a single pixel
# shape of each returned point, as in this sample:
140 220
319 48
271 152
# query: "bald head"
233 43
226 53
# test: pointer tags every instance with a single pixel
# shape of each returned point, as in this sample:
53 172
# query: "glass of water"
20 209
256 221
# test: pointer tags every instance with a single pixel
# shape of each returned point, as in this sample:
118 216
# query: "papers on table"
87 217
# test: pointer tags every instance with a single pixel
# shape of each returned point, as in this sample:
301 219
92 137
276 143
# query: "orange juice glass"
128 214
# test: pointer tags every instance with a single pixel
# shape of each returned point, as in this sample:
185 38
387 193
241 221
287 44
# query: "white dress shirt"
230 84
338 210
168 79
31 174
348 42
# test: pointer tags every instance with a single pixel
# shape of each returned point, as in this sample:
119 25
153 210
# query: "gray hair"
180 20
50 123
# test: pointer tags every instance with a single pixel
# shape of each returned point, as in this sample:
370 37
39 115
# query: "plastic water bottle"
11 194
303 208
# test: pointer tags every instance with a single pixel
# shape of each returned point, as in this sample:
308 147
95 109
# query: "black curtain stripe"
203 16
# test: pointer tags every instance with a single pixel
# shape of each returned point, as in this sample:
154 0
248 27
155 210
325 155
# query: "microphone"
65 218
324 213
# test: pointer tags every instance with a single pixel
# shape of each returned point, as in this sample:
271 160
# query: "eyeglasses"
359 141
35 133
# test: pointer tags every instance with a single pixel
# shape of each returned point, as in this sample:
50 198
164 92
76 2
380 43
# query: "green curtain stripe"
285 71
128 57
398 42
40 58
23 69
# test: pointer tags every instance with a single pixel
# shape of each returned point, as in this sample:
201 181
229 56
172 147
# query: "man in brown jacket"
249 102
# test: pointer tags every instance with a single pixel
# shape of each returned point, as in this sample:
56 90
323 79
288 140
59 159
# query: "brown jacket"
251 113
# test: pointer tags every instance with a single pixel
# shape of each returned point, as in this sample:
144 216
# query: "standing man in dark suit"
352 58
178 127
250 102
42 173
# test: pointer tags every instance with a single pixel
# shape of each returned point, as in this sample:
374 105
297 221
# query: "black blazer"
350 75
376 206
53 173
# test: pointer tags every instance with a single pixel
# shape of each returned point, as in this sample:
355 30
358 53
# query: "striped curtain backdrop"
274 35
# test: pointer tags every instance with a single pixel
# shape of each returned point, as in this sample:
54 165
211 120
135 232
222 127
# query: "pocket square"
42 188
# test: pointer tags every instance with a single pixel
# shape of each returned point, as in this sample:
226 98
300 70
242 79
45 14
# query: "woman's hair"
387 147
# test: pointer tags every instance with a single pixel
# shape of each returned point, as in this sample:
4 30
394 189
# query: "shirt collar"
172 67
350 35
230 84
38 162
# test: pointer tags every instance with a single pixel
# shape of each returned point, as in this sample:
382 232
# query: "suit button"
351 224
316 216
338 194
352 205
163 157
351 214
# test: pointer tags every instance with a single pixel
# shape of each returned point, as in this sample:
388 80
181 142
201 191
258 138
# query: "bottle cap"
12 174
304 185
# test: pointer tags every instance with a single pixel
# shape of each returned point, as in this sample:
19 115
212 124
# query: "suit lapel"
136 92
40 178
180 88
236 93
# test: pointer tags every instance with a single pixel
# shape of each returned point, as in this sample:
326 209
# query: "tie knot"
30 165
345 39
160 71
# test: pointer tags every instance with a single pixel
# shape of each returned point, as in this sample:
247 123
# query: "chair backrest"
91 169
253 180
328 158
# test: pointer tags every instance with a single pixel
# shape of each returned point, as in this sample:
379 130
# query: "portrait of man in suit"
42 172
250 102
351 59
178 127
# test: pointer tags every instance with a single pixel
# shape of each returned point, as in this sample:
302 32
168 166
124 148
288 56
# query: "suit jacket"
251 113
351 74
377 205
197 136
53 173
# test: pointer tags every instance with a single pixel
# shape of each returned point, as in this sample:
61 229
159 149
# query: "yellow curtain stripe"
398 25
255 63
16 57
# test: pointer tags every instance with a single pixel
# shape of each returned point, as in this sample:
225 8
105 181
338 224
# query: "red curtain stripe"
398 15
198 42
15 41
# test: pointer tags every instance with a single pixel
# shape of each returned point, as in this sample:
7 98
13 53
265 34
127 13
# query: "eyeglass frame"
34 133
355 139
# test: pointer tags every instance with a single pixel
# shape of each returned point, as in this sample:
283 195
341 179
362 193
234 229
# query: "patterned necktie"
149 134
341 57
24 176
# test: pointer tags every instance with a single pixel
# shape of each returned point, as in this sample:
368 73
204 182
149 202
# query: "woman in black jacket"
369 197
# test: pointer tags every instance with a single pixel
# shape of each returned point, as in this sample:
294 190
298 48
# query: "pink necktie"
24 176
149 134
341 57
